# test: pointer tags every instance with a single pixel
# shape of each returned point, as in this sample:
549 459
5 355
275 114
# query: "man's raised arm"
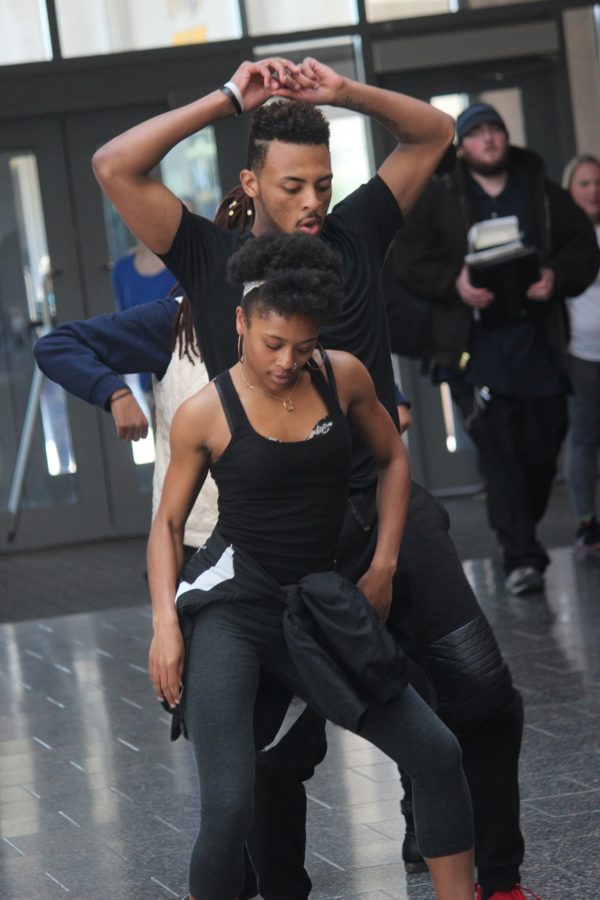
122 166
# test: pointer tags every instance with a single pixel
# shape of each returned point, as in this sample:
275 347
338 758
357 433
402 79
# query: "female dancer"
582 179
274 432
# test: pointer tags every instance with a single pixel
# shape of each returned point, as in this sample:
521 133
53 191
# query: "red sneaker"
518 892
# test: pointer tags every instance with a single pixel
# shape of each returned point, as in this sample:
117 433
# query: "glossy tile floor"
95 802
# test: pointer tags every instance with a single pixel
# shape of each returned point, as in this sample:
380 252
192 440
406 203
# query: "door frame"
65 522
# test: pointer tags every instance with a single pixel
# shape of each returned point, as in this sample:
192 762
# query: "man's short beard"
487 169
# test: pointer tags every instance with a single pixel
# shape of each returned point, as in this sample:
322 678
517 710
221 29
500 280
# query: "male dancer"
289 178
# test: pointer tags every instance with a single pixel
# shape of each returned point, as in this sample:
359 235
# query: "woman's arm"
371 421
184 478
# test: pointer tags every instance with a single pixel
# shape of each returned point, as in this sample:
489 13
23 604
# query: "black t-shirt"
513 359
360 228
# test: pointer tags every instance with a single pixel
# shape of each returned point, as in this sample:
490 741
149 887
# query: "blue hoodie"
88 357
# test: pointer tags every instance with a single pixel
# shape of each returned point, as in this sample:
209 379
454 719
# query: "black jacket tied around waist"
343 651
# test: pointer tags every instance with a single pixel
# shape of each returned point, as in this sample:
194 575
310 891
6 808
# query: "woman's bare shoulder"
198 415
345 365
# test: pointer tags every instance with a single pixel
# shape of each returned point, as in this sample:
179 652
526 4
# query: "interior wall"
508 104
584 77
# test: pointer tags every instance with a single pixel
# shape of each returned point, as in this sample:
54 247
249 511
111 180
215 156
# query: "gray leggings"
230 642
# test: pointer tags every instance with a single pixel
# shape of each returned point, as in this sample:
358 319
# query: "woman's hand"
165 662
376 585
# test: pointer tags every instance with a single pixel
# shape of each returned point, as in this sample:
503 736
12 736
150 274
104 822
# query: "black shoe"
524 580
411 855
588 535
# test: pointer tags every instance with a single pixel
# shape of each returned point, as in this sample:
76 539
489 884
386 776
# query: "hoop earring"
312 364
240 348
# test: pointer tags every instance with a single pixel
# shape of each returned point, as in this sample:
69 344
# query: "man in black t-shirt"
434 612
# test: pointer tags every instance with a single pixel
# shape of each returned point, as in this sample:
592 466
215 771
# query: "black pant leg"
277 840
435 605
545 426
490 749
501 434
439 623
276 843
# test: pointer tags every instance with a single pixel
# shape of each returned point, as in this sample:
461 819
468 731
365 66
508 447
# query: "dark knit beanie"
477 114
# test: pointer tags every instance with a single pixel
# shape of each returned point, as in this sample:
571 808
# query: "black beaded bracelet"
123 392
234 100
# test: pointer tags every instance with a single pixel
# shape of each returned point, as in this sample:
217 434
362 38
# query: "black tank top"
283 502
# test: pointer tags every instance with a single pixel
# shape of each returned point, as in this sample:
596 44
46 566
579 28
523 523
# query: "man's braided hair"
235 213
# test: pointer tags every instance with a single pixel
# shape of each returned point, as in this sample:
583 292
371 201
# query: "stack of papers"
499 261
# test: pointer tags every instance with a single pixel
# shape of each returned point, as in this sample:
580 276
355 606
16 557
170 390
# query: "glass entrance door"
58 455
59 238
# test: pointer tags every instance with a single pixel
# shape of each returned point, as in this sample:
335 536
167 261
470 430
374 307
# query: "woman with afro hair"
275 431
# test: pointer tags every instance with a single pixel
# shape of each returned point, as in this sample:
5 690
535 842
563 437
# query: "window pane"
190 170
109 26
26 299
478 4
24 35
350 156
381 10
266 17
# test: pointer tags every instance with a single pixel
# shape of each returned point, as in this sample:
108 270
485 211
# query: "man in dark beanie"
475 115
500 345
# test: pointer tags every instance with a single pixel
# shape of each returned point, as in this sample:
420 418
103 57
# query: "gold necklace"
286 401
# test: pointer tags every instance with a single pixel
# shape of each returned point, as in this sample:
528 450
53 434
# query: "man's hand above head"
478 298
275 76
315 83
542 290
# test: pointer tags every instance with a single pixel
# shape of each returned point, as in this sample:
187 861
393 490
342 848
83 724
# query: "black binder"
508 276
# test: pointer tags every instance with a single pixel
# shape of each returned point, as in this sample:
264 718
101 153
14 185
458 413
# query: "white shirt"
180 381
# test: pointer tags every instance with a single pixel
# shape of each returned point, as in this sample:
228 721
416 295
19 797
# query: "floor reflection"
95 802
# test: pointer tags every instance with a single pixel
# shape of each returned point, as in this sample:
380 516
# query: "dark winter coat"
428 254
